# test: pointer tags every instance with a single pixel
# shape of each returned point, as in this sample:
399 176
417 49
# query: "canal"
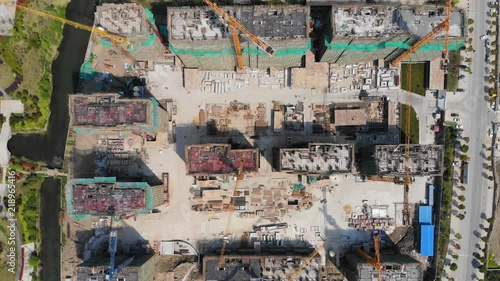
49 147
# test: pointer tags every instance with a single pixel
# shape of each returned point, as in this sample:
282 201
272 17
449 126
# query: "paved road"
477 118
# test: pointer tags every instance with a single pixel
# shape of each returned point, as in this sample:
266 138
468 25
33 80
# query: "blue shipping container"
427 240
425 215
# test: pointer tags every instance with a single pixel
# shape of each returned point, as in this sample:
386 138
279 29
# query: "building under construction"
105 196
247 268
220 159
108 110
318 159
7 17
396 267
141 268
143 44
202 39
359 33
423 160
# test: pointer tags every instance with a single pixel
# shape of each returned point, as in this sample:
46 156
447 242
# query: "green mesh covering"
452 46
246 50
150 16
87 72
104 42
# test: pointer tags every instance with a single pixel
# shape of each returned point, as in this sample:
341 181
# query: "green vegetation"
414 128
417 78
453 266
34 260
30 52
470 21
447 193
453 71
29 210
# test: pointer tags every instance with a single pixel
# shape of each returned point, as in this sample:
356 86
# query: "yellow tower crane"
235 27
98 30
305 262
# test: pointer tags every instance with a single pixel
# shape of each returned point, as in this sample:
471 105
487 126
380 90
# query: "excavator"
239 177
238 27
376 261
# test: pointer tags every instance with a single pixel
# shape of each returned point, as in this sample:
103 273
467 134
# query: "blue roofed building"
425 215
427 240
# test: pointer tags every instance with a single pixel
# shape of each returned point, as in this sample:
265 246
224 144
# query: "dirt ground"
175 268
495 234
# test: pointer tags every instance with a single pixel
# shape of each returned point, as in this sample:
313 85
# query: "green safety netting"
452 46
298 186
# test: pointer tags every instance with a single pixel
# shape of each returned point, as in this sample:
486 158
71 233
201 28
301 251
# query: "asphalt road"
477 118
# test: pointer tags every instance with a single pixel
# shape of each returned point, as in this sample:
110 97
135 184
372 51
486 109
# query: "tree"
471 29
458 236
485 239
461 198
453 266
488 158
454 256
461 187
487 229
468 60
461 216
457 246
490 220
470 21
34 261
463 157
490 178
461 207
464 148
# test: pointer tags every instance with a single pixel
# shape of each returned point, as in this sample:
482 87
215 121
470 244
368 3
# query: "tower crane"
239 177
376 261
235 27
305 262
99 30
445 25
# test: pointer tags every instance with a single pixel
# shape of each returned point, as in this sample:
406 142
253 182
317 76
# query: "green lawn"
414 129
4 273
492 264
417 78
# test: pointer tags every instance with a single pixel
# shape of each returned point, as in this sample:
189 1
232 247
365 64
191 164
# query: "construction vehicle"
395 180
305 263
445 25
376 261
239 177
99 30
113 241
235 27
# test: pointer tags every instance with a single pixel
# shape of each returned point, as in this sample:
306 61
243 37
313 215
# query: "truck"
430 195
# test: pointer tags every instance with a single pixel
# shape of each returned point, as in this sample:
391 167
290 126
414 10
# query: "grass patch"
4 273
414 128
446 196
30 52
29 210
417 78
453 71
492 264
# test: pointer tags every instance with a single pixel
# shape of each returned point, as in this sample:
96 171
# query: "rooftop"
124 19
274 22
7 16
95 269
365 21
319 158
105 196
350 117
421 20
217 159
107 110
424 159
397 267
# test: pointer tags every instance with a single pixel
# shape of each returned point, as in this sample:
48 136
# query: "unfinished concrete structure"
202 39
397 267
318 159
248 268
141 268
7 17
143 42
361 33
109 110
424 160
105 196
220 159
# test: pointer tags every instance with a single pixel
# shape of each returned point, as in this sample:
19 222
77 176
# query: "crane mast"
305 262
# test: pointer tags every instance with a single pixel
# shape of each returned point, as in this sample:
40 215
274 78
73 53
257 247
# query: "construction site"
107 197
134 56
202 39
319 159
424 160
360 33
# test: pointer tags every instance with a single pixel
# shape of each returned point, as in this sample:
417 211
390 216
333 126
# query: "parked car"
459 126
460 90
490 132
488 32
456 119
455 115
462 66
461 77
482 37
456 164
460 135
493 105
